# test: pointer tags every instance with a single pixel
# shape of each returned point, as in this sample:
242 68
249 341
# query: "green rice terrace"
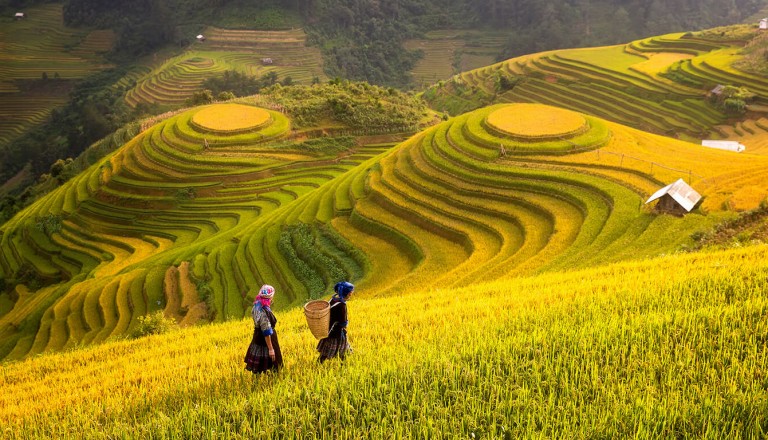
449 52
661 84
252 52
39 58
194 212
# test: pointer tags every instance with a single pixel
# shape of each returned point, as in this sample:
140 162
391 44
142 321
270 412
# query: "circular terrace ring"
231 118
536 122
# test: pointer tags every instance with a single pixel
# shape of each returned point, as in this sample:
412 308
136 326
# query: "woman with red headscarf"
264 352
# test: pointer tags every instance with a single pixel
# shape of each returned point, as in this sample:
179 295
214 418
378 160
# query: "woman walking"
336 344
264 352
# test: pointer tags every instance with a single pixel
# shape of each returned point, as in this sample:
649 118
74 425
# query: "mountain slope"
194 213
659 84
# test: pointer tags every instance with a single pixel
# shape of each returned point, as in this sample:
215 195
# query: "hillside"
158 63
99 252
660 84
177 78
193 213
40 59
511 281
668 347
446 52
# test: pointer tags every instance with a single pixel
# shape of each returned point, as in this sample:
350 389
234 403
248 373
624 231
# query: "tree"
200 97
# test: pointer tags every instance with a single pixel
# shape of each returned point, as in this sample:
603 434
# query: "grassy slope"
673 346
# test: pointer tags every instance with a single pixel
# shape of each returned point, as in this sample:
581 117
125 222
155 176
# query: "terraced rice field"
486 195
36 45
629 84
176 79
174 193
448 52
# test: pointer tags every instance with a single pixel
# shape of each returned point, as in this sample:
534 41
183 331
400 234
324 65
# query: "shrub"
48 224
153 324
225 96
187 193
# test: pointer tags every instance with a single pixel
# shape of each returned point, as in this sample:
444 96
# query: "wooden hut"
717 91
676 198
20 16
200 38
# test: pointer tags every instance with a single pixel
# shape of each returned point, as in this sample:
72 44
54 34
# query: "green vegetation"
349 41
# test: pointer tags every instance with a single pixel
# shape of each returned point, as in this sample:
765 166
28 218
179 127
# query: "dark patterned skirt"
257 358
332 347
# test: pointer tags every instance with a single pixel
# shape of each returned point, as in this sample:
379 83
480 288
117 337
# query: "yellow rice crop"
715 174
659 62
536 120
231 117
672 347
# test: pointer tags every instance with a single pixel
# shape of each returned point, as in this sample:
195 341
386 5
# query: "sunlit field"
667 347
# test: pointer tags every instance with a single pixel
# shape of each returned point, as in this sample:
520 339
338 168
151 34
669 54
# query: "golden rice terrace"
194 212
231 117
536 121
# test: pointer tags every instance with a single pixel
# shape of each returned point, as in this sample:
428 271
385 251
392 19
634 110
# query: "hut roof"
683 194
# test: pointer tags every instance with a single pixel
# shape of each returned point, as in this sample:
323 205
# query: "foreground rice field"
668 347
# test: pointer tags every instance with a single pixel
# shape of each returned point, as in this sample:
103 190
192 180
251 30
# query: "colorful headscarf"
266 291
264 297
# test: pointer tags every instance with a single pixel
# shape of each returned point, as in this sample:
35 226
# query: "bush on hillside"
239 84
358 105
153 324
732 99
48 224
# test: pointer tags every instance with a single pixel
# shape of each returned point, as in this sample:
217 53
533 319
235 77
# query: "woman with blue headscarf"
336 344
264 352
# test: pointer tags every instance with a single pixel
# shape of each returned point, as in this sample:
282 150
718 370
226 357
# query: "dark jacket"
338 322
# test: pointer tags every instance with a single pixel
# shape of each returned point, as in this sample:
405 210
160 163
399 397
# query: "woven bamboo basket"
318 313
